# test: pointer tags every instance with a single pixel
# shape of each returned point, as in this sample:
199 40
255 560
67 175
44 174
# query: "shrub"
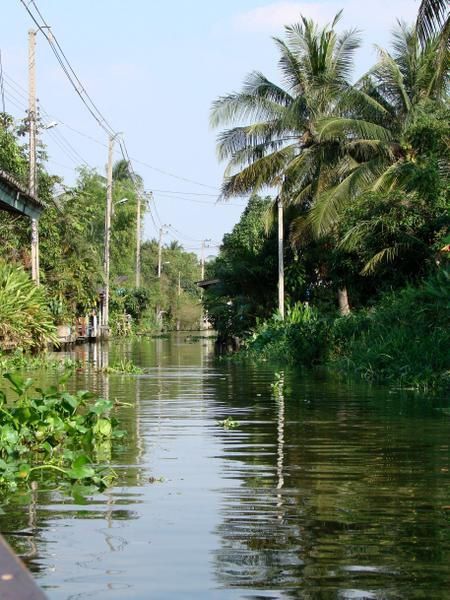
25 319
405 338
301 337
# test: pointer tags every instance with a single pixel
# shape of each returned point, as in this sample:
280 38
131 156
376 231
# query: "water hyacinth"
66 435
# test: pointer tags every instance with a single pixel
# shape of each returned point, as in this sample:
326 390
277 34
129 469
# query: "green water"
326 490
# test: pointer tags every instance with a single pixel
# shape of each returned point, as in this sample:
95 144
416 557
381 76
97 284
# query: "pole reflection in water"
279 399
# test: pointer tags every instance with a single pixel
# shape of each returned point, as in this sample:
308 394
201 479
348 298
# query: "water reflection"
325 490
339 492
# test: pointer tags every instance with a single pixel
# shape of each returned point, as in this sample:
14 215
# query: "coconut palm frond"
264 172
291 68
342 128
346 45
245 106
266 136
301 232
356 235
328 207
432 16
386 255
390 81
252 154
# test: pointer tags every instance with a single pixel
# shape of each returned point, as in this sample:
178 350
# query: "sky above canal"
154 68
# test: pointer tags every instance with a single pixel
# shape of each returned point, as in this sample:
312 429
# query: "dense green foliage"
25 320
362 170
54 431
72 247
246 269
403 339
174 297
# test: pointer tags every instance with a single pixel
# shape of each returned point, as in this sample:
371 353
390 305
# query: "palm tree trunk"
344 306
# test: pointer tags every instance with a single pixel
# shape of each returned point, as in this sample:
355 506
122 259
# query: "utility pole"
202 264
202 259
138 240
32 183
108 215
179 283
162 231
280 259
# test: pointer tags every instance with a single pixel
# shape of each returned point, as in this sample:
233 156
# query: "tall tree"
276 149
371 125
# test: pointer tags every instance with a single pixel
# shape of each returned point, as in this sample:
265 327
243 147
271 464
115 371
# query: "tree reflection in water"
333 491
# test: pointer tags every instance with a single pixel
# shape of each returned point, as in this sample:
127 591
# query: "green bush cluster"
25 319
56 432
403 339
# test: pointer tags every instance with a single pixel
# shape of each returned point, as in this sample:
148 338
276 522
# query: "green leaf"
17 382
81 468
71 400
23 471
103 428
101 407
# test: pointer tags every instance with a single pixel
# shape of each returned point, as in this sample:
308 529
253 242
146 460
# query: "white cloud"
364 14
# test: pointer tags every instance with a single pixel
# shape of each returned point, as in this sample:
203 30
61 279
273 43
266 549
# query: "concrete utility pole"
32 181
138 240
202 259
108 214
202 264
280 259
162 231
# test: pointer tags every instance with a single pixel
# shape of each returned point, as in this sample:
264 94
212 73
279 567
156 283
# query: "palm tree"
276 146
370 123
273 149
122 171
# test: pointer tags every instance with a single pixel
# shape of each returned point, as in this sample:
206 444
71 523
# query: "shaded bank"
404 339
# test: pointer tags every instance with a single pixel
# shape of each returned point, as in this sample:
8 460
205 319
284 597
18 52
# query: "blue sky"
154 68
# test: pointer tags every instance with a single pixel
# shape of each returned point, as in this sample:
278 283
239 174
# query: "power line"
63 144
104 145
2 89
169 174
82 92
167 196
187 237
67 68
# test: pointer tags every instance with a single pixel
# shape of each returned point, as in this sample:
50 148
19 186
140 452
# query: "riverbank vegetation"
71 256
51 431
362 172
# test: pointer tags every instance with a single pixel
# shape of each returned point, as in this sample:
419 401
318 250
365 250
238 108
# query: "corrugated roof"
10 181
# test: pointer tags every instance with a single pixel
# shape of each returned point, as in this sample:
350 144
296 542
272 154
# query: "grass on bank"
403 340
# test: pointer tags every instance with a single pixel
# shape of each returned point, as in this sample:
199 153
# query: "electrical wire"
165 196
67 68
2 88
64 145
81 90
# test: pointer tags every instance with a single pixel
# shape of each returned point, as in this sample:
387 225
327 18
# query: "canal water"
324 489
